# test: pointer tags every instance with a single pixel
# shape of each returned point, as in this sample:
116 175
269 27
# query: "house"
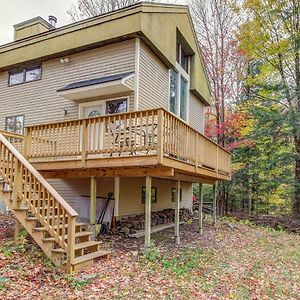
114 103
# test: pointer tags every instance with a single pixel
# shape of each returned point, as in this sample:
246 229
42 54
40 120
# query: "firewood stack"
131 224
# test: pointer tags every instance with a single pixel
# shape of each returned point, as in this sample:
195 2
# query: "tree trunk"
296 197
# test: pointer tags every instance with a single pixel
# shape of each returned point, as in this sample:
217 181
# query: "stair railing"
31 190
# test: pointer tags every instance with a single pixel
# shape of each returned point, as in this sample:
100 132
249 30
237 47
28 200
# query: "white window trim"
99 102
181 73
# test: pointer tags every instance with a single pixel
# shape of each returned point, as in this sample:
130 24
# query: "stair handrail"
40 178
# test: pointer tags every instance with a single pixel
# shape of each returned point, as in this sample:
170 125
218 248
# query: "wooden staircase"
47 217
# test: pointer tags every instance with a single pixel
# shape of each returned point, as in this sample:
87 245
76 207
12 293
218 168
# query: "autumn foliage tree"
271 39
216 22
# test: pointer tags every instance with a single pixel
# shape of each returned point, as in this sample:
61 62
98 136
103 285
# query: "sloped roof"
156 24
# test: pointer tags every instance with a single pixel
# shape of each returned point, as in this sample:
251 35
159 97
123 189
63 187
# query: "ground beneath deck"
232 261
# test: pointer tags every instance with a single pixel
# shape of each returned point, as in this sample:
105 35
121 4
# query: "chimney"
32 27
52 20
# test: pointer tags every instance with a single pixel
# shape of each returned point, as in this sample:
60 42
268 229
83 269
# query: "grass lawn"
231 261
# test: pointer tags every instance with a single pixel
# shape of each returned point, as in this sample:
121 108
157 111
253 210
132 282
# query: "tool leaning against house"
102 226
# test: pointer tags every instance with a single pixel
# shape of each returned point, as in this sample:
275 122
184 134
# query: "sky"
16 11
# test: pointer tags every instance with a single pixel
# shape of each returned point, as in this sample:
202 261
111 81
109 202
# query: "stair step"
35 218
90 256
77 235
86 245
31 219
21 209
66 225
39 229
58 250
55 227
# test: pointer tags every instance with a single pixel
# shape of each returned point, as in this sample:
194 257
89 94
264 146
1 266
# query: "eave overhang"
104 86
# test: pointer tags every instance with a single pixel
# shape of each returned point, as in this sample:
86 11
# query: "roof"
95 81
157 25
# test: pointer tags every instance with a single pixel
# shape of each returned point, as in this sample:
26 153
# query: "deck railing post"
196 151
160 135
84 143
71 244
27 142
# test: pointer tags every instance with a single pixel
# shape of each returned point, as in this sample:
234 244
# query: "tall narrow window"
173 91
179 83
183 98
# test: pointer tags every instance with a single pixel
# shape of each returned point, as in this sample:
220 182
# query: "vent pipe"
52 20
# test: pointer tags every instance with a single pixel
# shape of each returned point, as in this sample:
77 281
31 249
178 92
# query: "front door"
97 132
96 129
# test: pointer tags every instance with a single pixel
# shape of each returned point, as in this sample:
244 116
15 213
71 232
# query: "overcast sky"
16 11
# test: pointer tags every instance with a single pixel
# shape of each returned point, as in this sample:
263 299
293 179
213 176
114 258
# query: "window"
180 83
179 87
33 74
153 195
182 57
173 91
174 195
16 78
25 75
183 98
116 106
15 124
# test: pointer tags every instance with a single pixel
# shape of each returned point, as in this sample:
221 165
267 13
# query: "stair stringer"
38 236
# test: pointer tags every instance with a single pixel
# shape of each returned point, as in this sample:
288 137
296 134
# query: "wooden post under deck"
148 214
214 204
177 217
93 202
116 195
200 229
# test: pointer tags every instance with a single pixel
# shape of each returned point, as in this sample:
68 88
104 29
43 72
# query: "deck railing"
149 132
17 140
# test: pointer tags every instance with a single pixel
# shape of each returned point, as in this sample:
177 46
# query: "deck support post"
116 195
200 191
18 227
93 203
148 214
215 204
177 216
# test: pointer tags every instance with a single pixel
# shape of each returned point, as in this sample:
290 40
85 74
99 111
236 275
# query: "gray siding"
196 113
153 81
39 100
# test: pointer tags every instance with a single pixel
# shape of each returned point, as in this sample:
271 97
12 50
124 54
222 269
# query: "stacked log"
131 224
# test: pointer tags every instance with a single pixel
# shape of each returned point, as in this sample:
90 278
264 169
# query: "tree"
90 8
271 39
216 22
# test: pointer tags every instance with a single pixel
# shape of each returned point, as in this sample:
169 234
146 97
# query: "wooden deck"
139 143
